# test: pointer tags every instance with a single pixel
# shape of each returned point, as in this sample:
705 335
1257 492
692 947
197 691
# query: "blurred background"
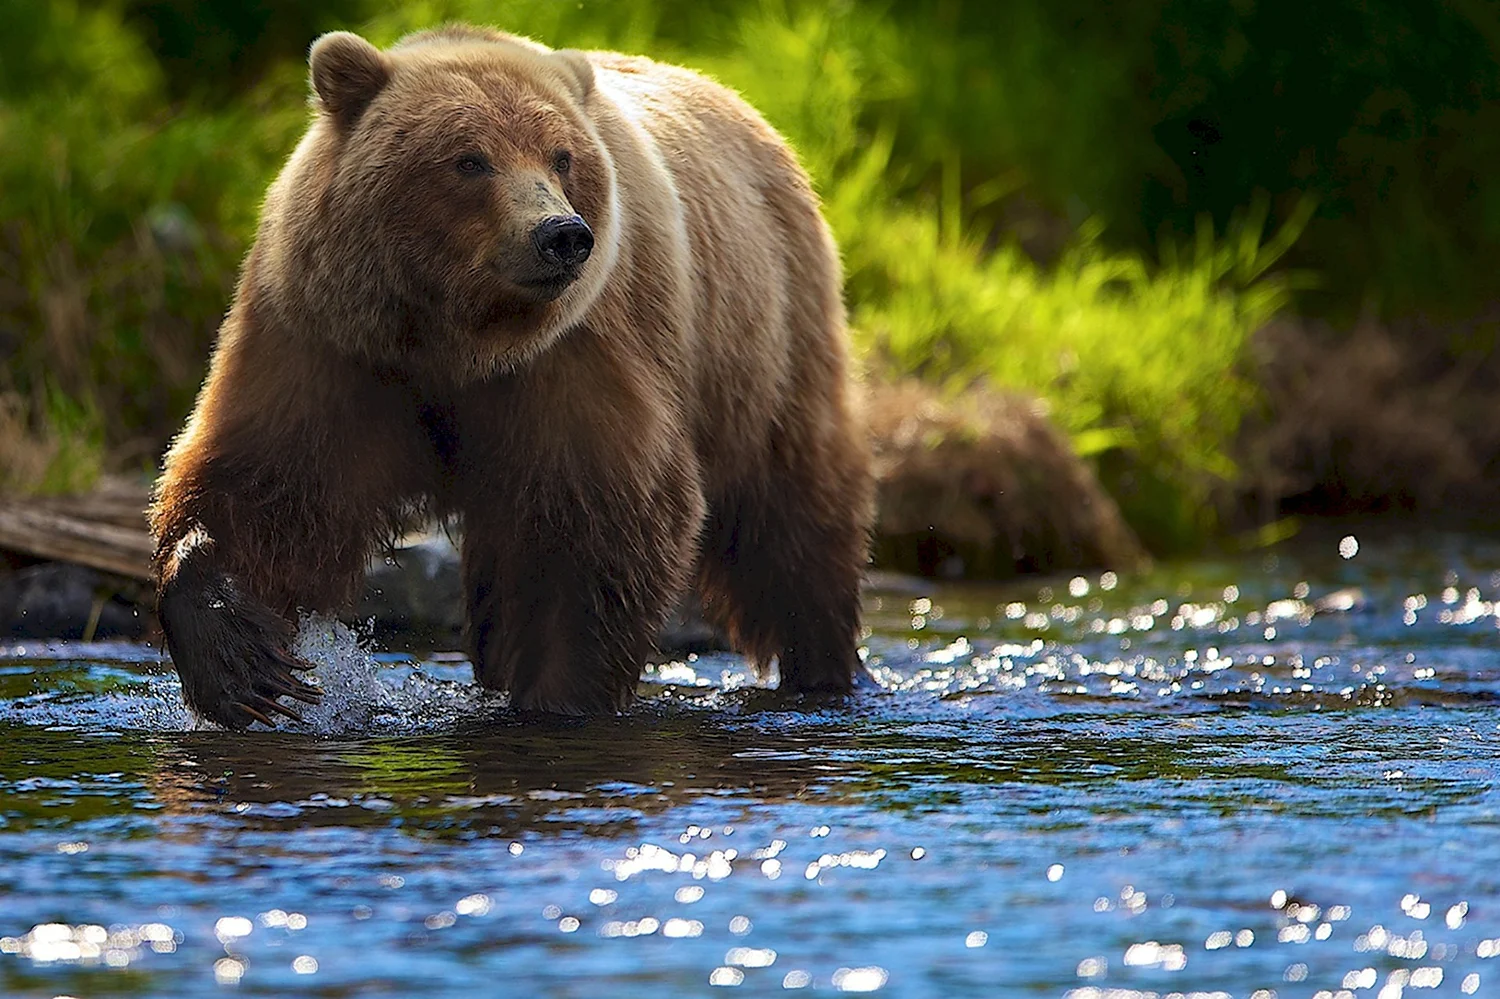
1239 258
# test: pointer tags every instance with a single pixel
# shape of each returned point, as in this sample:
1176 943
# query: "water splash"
125 689
122 689
354 698
363 695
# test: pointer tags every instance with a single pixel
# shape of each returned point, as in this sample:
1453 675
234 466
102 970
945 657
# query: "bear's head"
453 208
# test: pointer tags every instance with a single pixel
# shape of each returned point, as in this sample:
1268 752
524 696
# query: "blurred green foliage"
122 221
1026 193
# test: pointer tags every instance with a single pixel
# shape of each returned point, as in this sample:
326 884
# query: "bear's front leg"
567 597
291 469
571 569
232 652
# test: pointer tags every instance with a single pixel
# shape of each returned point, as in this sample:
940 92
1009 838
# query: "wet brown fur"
677 415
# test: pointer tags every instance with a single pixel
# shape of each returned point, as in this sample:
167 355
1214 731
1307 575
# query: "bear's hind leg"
582 507
540 628
782 565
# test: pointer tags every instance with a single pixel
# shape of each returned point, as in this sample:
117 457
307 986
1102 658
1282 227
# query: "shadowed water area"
1253 776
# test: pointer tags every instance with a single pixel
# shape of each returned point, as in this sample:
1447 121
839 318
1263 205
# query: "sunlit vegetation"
1012 202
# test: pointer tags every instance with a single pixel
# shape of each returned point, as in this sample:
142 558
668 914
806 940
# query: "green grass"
123 216
122 221
1143 365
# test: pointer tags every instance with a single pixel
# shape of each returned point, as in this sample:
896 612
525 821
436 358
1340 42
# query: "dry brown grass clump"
984 486
1377 418
24 454
38 457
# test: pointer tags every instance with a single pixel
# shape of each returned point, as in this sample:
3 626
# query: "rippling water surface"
1265 775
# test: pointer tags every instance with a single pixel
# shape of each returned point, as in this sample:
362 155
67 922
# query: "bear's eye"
472 165
562 161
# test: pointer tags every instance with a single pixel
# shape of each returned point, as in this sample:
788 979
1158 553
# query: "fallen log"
105 531
113 500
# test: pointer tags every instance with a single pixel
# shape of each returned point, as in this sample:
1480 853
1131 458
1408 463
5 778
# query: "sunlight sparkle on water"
228 971
1092 967
89 944
1094 992
477 904
232 928
750 957
867 979
726 977
1279 720
1150 954
281 919
630 928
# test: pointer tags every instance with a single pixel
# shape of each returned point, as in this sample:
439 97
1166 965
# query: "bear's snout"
564 241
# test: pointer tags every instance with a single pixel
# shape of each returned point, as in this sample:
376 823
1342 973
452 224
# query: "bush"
126 200
121 225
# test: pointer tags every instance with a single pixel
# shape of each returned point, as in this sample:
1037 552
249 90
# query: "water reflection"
604 777
1242 777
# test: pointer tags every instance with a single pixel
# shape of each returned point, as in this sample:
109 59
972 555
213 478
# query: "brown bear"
587 303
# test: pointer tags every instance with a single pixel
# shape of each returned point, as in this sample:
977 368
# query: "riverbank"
978 484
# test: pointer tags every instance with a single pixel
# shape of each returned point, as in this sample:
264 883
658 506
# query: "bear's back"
763 264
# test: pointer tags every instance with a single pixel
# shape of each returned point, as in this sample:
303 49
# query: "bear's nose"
564 240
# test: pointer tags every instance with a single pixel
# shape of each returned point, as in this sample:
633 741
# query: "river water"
1262 775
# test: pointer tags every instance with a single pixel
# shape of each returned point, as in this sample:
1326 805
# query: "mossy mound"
984 486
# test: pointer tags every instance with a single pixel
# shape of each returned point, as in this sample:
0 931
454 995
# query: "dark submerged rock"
58 600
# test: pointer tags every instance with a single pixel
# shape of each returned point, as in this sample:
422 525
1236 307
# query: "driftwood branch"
103 530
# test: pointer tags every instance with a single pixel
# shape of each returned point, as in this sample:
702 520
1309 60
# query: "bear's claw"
273 707
254 715
261 702
231 651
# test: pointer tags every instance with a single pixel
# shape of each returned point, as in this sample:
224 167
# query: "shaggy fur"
673 411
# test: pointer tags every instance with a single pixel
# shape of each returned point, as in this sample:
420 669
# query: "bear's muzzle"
563 241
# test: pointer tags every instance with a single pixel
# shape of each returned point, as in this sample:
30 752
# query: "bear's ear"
579 70
347 73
